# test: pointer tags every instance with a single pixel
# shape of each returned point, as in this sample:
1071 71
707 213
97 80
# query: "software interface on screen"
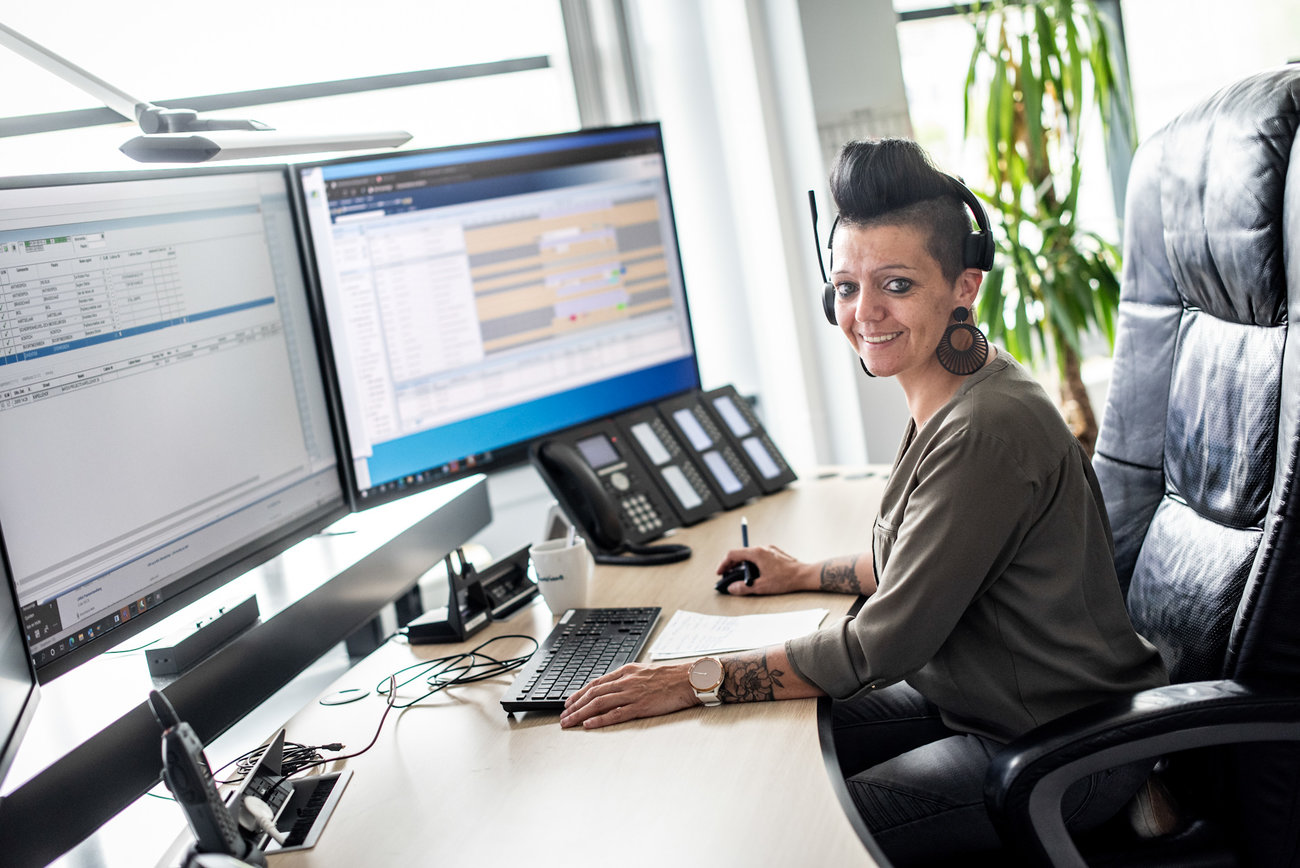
481 296
161 402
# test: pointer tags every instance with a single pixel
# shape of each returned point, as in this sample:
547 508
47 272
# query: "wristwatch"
705 676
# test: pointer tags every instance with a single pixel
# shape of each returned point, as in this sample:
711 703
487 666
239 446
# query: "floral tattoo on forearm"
840 576
748 679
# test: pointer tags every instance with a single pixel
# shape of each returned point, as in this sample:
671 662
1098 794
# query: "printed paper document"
689 634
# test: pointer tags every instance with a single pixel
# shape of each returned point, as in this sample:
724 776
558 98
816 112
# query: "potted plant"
1039 69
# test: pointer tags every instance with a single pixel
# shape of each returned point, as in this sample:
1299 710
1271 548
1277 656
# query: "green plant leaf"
1038 69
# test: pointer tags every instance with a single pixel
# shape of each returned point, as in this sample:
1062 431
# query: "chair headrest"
1222 186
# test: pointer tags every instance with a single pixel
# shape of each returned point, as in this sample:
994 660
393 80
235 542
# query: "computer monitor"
18 690
164 423
478 297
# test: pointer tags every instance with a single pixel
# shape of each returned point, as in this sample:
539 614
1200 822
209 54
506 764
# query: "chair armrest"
1027 780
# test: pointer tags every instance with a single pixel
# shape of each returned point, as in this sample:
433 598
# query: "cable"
260 816
136 648
465 668
294 757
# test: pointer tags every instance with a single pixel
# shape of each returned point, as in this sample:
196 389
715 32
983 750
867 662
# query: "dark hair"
893 182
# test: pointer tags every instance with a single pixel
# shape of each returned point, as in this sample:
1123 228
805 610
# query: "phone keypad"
641 511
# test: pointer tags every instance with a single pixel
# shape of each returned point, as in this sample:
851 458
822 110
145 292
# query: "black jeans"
920 785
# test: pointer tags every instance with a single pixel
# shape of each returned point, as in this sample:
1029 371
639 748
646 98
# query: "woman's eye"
844 290
898 285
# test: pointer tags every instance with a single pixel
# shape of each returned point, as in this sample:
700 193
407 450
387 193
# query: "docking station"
187 646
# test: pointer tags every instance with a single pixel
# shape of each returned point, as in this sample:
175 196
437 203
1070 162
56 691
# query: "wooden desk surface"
455 781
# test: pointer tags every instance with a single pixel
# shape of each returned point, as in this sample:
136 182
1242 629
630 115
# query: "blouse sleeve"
961 521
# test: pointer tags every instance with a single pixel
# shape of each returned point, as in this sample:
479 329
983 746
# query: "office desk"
455 781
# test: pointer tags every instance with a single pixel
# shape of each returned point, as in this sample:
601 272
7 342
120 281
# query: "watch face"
705 673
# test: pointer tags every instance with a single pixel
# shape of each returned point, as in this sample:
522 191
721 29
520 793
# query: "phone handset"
187 775
593 508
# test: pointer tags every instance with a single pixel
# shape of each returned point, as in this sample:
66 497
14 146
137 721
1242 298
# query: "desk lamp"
180 135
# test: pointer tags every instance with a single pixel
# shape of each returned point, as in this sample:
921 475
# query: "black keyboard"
585 644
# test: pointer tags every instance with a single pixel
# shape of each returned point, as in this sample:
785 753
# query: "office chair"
1198 457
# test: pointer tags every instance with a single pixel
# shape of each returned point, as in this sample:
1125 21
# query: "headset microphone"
828 288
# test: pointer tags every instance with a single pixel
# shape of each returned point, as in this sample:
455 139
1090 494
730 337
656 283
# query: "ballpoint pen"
744 541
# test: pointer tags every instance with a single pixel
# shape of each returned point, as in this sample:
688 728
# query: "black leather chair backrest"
1198 447
1197 454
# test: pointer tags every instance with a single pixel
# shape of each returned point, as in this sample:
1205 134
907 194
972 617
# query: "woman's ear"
968 286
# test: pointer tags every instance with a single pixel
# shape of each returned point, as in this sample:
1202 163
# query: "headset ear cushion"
828 303
979 251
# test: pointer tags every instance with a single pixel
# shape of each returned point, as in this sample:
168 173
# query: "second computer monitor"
478 297
164 421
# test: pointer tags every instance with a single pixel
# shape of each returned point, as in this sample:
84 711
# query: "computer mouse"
745 571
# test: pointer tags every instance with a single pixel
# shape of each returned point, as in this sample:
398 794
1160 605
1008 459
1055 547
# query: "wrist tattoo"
840 576
749 680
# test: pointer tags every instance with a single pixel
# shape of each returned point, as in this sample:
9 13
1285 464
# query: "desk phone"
603 486
627 480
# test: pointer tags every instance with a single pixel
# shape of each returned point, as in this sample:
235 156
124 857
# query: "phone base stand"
644 556
475 599
466 613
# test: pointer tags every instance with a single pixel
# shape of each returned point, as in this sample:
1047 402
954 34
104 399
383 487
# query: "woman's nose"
867 308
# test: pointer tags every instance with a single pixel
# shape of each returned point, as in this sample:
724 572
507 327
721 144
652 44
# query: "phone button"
619 480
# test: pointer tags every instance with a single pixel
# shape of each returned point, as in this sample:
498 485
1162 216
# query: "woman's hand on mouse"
778 572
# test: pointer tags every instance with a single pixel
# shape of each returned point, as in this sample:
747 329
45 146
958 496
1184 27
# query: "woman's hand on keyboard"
629 692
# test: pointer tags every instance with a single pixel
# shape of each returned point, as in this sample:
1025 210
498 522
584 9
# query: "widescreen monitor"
164 422
478 297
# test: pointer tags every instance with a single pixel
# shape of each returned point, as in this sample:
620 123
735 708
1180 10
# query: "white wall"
1181 51
857 92
742 105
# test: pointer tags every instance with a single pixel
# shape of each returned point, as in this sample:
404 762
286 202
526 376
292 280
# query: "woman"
993 602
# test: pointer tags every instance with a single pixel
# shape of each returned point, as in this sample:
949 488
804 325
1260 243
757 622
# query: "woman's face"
892 301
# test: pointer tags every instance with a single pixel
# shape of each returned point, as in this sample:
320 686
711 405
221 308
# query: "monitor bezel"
11 739
209 577
511 454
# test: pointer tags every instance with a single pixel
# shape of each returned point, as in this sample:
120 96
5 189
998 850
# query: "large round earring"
963 349
864 367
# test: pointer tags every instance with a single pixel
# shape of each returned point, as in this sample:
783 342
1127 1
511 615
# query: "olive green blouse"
996 590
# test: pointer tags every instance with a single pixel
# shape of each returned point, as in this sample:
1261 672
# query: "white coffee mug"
563 572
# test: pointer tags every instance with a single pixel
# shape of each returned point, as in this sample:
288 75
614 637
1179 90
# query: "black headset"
976 252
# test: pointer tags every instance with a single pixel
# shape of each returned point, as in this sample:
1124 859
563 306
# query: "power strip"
189 645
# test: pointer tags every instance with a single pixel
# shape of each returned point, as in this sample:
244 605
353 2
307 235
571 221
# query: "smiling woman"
993 603
257 48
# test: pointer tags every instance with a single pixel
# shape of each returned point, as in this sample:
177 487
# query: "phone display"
769 466
727 474
660 450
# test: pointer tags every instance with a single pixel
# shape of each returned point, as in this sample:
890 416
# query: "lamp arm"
110 95
152 118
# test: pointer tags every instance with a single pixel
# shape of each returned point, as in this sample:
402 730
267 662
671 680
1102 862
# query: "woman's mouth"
880 339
